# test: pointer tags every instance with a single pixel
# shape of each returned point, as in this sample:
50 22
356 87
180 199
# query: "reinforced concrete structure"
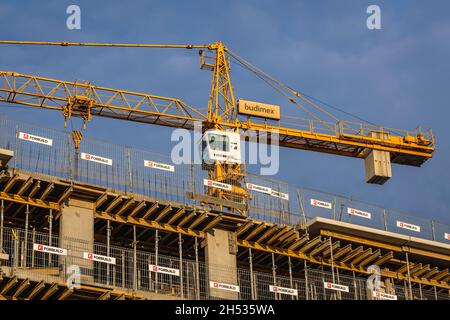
147 241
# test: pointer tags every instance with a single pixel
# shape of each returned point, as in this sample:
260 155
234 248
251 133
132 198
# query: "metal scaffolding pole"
385 220
274 274
409 276
197 273
252 282
24 256
50 235
2 217
32 251
108 249
291 281
332 259
355 285
123 269
134 259
156 258
306 279
180 251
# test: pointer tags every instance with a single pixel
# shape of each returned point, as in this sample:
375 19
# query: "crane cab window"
219 142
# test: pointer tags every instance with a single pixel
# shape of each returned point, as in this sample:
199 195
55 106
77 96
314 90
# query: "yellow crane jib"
378 146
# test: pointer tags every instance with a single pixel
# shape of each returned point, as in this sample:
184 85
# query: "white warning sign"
383 296
282 290
216 184
94 158
32 138
258 188
165 270
359 213
49 249
223 286
281 195
447 236
408 226
335 287
320 203
159 165
99 258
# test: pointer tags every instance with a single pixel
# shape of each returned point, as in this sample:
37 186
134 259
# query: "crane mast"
84 100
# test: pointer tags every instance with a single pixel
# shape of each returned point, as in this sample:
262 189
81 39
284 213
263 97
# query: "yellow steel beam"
25 186
336 264
342 252
37 288
149 224
212 224
47 191
255 231
197 220
65 294
310 244
104 296
9 285
186 218
137 208
327 252
101 200
30 201
243 228
125 206
163 213
267 234
345 138
176 216
50 291
388 256
150 210
298 243
10 183
114 203
383 245
23 285
65 195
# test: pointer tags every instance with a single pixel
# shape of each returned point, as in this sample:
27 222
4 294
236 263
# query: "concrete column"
220 257
77 235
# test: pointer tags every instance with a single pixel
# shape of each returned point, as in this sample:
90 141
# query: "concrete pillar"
77 235
220 257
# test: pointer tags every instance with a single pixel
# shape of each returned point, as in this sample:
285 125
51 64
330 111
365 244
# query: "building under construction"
88 219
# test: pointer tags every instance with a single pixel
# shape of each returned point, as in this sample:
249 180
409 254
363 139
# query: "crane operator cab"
224 146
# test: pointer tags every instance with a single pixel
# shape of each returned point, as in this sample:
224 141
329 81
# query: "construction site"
85 219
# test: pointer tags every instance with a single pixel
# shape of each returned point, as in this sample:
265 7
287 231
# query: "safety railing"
51 152
33 256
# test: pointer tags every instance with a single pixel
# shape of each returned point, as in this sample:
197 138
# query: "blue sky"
397 77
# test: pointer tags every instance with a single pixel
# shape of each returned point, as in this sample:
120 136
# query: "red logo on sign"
155 268
401 224
26 136
275 289
90 256
329 285
40 247
150 164
216 285
314 202
209 183
250 185
88 156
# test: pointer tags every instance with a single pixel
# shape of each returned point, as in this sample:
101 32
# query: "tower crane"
226 121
